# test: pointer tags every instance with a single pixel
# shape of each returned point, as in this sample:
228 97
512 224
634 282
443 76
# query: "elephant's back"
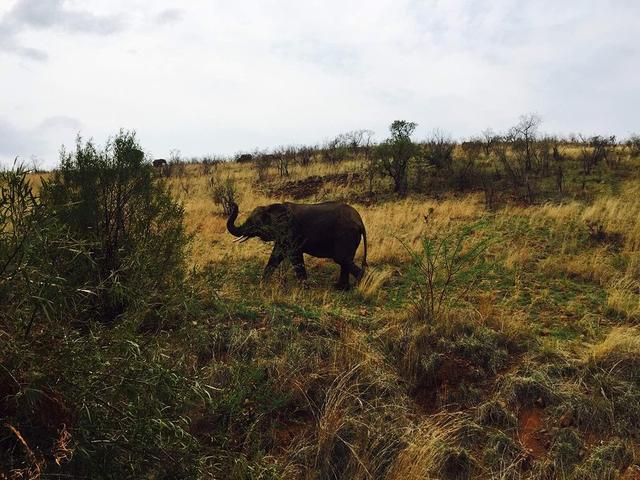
330 214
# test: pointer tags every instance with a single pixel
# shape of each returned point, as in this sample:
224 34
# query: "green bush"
445 269
132 227
36 254
96 399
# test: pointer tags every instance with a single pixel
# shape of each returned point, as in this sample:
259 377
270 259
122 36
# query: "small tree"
513 171
633 144
335 150
489 137
595 150
438 150
370 163
176 166
223 193
285 156
210 163
355 140
464 171
544 153
262 164
523 137
395 153
303 155
444 270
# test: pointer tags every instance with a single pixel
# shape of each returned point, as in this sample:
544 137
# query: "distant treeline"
521 163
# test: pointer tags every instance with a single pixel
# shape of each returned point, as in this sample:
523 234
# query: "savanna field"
494 334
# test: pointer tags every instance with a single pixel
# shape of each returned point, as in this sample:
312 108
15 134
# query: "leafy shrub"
633 144
335 150
438 150
445 269
223 193
176 166
36 251
595 150
128 220
262 164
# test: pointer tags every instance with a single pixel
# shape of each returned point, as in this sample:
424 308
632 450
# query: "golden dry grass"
372 281
624 297
594 264
389 225
619 214
426 447
620 344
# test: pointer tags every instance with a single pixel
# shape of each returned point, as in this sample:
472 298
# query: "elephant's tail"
364 258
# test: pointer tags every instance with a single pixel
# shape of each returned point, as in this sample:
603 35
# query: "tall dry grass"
427 447
619 214
389 225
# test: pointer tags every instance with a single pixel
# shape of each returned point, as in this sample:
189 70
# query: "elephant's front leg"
277 255
297 260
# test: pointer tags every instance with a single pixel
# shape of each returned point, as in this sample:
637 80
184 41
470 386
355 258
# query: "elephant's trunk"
233 230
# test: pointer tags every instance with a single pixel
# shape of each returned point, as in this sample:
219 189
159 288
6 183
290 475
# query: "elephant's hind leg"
355 270
348 267
345 250
343 281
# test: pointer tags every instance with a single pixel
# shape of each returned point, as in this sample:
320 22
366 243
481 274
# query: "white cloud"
226 76
50 14
170 15
42 140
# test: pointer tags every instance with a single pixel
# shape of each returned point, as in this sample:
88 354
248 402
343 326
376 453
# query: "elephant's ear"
279 213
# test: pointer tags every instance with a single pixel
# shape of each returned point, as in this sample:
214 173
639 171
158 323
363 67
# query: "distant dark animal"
323 230
244 158
159 163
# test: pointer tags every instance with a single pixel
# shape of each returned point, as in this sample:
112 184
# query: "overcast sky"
209 77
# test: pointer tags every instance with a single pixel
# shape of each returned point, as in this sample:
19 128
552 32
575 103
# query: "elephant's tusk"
241 239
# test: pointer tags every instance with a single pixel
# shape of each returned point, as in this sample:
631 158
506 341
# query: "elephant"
244 158
323 230
160 162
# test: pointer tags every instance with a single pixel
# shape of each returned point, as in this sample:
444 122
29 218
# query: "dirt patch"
532 432
307 187
632 473
442 386
289 430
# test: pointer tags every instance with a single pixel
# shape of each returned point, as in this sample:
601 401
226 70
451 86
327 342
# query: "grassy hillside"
530 368
529 374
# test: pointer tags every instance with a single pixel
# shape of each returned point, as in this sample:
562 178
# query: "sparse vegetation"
223 193
444 270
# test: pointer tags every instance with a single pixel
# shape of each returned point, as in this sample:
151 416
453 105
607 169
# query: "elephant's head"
269 223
